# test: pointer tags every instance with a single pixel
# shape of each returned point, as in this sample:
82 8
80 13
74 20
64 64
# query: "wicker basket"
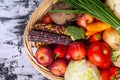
37 15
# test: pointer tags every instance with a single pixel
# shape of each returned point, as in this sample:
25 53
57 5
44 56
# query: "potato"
61 17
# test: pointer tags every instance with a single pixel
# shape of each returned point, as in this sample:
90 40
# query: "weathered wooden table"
14 64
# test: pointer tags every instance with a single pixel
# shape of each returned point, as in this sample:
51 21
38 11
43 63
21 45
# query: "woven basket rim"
37 15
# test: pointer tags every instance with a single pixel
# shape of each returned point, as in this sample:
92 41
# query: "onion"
112 38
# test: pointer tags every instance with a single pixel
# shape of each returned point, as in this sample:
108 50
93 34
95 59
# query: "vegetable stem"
72 11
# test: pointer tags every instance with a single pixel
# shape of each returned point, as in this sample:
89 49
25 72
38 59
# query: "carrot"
97 26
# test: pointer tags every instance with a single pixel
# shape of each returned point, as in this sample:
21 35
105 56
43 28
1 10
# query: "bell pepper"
60 50
83 20
97 26
95 37
89 33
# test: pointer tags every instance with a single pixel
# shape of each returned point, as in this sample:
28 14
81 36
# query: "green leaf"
75 32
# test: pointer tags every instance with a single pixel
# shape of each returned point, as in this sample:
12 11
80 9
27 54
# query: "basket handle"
40 11
37 15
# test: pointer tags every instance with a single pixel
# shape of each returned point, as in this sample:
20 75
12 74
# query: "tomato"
112 77
106 64
47 19
82 20
114 70
77 50
99 54
95 37
104 74
60 50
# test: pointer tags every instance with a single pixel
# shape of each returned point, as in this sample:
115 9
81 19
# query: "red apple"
44 56
77 50
58 67
67 57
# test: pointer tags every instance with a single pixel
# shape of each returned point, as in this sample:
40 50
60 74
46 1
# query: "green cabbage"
81 70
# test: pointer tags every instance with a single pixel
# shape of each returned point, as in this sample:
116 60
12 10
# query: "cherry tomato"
77 50
99 54
95 37
47 19
104 74
112 77
114 70
82 20
60 50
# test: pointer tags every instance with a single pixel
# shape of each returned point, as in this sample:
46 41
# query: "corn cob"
59 29
38 44
48 37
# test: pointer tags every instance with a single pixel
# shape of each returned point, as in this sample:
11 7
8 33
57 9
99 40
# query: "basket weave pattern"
37 15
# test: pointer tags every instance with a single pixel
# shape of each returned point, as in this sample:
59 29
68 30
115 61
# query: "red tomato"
82 20
99 54
95 37
112 77
114 71
106 64
60 50
47 19
104 74
77 50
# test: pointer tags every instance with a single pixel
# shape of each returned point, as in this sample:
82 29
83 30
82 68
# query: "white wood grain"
14 64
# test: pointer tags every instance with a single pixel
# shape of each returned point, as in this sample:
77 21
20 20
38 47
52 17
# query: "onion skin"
112 38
